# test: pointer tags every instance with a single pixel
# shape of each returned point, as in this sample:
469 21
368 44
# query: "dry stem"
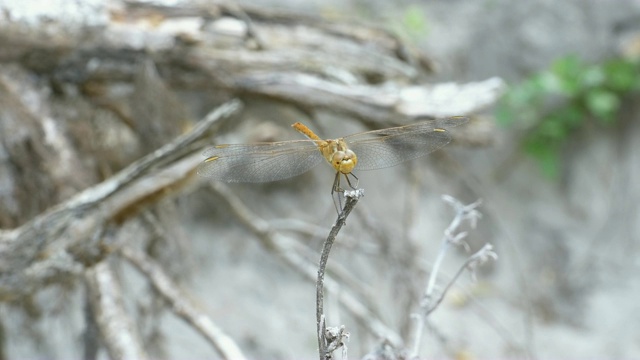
352 199
181 304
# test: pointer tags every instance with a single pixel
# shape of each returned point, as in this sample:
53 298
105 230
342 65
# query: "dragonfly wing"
262 162
389 147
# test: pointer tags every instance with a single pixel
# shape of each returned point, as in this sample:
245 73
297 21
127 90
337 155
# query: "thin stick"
352 199
287 250
182 305
451 237
117 329
45 242
486 249
168 151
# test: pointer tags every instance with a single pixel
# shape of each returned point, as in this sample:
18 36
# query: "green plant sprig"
555 102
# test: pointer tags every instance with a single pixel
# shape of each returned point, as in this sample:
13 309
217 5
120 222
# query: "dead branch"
220 50
352 198
118 331
181 304
452 236
310 63
281 246
60 242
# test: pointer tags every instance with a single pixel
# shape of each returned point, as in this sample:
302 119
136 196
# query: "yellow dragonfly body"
271 161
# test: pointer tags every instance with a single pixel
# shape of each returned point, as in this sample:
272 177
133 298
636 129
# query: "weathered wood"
83 108
307 62
60 242
107 303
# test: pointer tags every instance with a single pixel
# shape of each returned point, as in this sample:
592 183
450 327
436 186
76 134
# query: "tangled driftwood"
90 123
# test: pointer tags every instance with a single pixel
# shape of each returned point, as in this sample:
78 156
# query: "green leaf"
552 127
414 20
547 156
527 94
568 71
557 101
549 82
550 164
504 114
594 76
603 104
622 75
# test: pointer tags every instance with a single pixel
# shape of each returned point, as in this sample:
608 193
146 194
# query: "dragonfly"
370 150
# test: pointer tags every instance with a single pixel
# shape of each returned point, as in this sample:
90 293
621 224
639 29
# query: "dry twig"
451 237
281 247
181 304
61 241
352 198
116 327
359 71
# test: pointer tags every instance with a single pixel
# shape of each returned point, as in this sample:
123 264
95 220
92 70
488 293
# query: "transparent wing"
389 147
262 162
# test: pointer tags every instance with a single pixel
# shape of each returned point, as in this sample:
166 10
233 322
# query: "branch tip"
354 194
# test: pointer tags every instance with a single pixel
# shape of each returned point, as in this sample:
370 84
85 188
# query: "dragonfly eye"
337 157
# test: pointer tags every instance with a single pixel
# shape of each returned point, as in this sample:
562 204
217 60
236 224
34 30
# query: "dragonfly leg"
336 184
346 176
336 192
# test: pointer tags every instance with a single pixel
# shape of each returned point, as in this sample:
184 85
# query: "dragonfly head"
344 161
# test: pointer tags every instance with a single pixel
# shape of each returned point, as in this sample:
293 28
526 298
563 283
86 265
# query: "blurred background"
87 88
